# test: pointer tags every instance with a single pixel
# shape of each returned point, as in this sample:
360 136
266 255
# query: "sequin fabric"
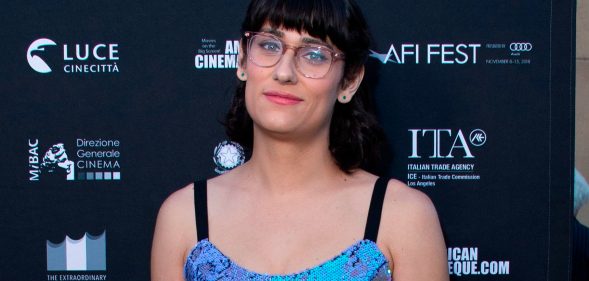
361 261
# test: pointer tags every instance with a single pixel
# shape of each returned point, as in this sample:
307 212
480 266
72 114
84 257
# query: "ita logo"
228 155
85 254
445 143
82 159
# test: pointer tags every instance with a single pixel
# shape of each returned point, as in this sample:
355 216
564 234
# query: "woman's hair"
355 138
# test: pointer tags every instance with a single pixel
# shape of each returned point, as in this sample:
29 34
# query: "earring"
242 76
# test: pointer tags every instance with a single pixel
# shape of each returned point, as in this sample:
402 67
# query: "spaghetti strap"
375 209
201 209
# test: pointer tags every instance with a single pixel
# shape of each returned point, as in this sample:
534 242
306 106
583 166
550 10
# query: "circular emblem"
228 155
478 137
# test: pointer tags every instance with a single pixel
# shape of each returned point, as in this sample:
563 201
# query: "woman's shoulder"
411 232
174 235
403 199
407 211
176 214
178 201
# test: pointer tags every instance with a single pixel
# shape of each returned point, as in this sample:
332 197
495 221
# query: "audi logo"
520 47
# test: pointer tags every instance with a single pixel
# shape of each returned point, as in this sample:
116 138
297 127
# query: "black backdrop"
476 98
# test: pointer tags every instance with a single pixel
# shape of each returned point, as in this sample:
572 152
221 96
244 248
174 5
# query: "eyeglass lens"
312 61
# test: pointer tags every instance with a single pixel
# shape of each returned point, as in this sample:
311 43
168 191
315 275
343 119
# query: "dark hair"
355 136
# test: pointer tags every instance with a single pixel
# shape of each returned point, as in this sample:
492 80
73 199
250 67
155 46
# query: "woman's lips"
282 98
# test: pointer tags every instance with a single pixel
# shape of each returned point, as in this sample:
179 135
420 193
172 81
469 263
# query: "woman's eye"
315 56
270 46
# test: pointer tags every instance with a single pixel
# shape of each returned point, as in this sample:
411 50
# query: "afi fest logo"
433 53
77 58
36 62
441 140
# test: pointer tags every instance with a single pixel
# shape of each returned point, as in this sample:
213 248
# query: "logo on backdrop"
81 58
516 53
85 254
82 159
56 160
440 156
520 47
465 261
35 61
429 53
228 155
216 55
477 137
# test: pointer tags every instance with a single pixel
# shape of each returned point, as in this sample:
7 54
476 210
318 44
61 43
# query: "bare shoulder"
411 232
178 205
175 232
401 200
176 216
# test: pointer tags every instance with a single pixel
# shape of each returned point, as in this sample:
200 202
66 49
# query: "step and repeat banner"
107 107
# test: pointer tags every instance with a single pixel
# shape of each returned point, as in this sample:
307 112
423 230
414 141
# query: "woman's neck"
285 165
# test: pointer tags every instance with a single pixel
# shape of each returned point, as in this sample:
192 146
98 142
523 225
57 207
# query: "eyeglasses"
311 60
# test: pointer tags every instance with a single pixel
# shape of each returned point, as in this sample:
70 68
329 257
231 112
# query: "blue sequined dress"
361 261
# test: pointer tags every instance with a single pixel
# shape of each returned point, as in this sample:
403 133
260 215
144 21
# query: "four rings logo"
520 47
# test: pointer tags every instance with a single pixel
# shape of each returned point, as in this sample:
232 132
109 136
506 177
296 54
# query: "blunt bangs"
337 20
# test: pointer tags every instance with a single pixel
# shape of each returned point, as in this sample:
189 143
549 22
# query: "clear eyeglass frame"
302 64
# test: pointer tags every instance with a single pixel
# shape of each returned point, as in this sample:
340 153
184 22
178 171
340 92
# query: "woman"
302 208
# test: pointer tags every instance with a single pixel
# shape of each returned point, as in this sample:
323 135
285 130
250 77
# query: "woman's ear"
350 87
241 65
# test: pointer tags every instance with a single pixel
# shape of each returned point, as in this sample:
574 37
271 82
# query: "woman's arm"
172 236
413 235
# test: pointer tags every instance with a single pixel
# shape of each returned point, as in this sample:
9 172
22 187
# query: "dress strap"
375 209
201 209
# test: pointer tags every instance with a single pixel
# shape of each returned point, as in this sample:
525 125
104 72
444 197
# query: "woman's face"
282 101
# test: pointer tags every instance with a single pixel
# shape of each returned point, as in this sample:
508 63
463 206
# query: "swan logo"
228 155
36 62
85 254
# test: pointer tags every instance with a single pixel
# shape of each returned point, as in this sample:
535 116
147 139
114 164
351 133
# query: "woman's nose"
285 69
